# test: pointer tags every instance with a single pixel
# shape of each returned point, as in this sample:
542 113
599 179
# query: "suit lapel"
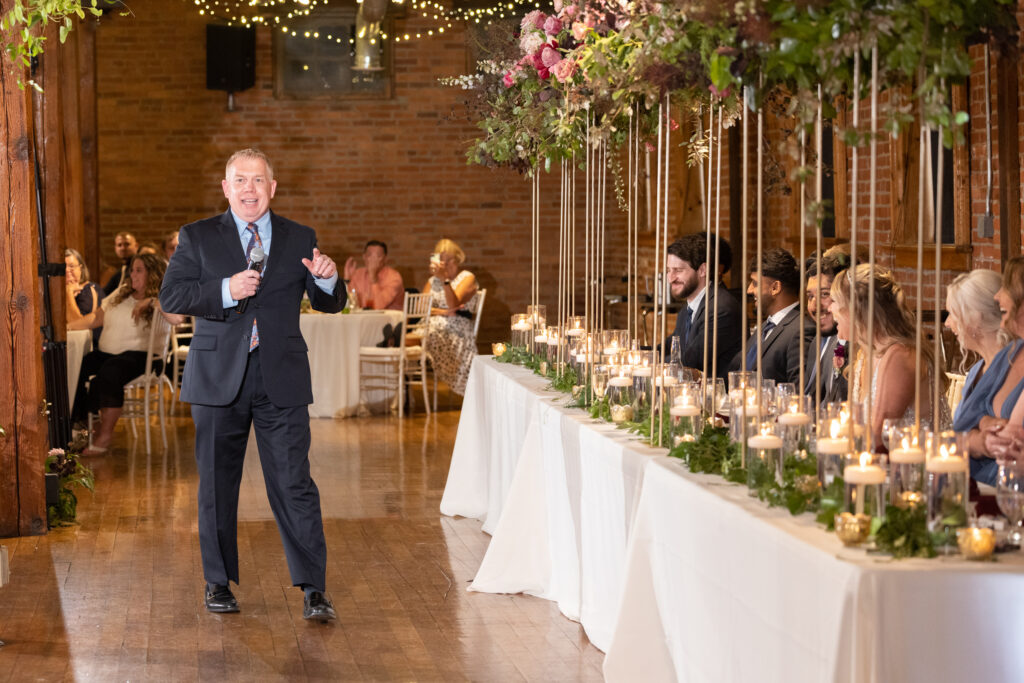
779 329
278 242
232 245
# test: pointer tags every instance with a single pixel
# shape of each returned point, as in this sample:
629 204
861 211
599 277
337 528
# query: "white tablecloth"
720 588
558 488
79 344
499 404
334 342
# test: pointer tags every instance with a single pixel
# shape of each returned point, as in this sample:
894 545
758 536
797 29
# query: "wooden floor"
119 597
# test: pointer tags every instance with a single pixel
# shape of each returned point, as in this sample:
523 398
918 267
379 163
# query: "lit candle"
521 326
794 419
764 441
864 474
620 382
684 410
906 453
946 462
642 371
575 332
833 444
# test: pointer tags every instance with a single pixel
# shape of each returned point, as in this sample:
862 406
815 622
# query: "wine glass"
1010 496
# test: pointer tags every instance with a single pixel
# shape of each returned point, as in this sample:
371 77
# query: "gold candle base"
976 543
806 483
852 529
909 499
498 348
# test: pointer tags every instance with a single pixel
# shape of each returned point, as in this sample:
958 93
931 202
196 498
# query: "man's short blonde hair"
250 153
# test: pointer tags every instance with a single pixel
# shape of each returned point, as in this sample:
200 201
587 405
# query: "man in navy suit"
776 282
251 368
688 267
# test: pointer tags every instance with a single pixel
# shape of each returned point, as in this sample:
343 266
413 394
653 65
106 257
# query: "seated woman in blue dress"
988 404
83 297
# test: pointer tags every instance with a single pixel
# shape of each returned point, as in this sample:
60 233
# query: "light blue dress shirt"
263 225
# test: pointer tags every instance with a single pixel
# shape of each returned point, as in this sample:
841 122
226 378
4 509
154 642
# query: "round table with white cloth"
79 344
333 342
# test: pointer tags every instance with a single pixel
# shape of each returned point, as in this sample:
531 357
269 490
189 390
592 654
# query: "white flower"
531 42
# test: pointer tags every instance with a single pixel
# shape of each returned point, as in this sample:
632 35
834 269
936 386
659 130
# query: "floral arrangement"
588 68
71 473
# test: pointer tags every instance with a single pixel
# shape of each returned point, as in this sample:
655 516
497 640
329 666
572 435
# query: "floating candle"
764 441
684 410
620 382
794 419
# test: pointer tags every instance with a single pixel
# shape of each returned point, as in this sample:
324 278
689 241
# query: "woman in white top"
450 339
126 317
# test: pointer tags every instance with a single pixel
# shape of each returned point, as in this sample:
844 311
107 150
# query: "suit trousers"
282 436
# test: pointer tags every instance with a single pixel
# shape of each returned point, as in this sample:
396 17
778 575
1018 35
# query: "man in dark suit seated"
776 282
248 365
826 374
688 266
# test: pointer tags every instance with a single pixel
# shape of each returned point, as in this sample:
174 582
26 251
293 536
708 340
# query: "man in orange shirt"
377 285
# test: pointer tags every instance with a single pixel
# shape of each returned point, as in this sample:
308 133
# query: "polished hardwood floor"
119 596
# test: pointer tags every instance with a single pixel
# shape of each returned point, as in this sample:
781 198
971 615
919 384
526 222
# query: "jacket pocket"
203 342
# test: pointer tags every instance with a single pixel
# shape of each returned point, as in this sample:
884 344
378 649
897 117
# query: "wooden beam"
23 450
1008 156
74 235
86 31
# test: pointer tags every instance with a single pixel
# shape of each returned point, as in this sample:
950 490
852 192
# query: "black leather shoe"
317 606
220 599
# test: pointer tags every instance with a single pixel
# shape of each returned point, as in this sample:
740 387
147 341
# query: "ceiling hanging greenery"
589 66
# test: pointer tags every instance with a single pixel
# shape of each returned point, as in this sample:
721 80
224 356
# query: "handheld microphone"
256 257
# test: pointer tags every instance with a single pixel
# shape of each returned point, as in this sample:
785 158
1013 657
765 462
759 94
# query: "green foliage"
712 453
23 26
600 410
565 382
798 492
71 473
904 533
830 503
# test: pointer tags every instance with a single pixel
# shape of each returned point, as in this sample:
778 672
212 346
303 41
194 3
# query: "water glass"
1010 496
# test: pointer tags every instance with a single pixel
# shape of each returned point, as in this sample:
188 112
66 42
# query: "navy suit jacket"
209 251
729 332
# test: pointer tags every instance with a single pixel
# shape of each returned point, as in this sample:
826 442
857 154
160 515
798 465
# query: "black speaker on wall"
230 58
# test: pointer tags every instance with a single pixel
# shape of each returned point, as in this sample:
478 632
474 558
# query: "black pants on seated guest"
109 373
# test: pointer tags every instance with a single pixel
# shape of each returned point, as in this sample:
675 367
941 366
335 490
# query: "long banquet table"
680 576
333 342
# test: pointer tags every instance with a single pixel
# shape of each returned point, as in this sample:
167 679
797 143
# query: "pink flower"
549 57
552 26
531 41
579 30
508 80
534 19
650 147
673 125
564 70
722 94
567 13
558 6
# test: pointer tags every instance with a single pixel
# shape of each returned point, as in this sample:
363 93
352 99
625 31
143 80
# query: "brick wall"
395 169
388 169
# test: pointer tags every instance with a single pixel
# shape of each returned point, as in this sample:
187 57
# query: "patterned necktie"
254 241
752 351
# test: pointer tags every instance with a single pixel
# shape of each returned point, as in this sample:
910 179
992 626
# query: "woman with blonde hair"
1001 387
450 339
975 319
894 376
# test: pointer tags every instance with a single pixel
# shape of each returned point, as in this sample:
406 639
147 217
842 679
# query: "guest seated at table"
82 297
975 319
170 244
376 285
150 248
450 339
894 366
126 317
826 370
987 409
125 246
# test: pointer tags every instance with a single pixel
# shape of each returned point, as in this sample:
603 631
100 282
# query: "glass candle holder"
741 379
864 478
831 449
946 486
576 326
522 331
976 543
906 465
538 315
614 342
716 399
748 408
642 363
687 418
764 456
850 417
663 386
599 381
552 341
620 395
795 422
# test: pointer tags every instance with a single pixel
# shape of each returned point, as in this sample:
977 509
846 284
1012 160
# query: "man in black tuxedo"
251 368
688 266
776 282
826 373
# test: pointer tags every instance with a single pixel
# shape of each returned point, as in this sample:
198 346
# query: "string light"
251 13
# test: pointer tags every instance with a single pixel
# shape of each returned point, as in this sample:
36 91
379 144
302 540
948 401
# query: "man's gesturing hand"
243 284
322 266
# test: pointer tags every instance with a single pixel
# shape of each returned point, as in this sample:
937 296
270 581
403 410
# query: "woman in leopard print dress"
450 339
